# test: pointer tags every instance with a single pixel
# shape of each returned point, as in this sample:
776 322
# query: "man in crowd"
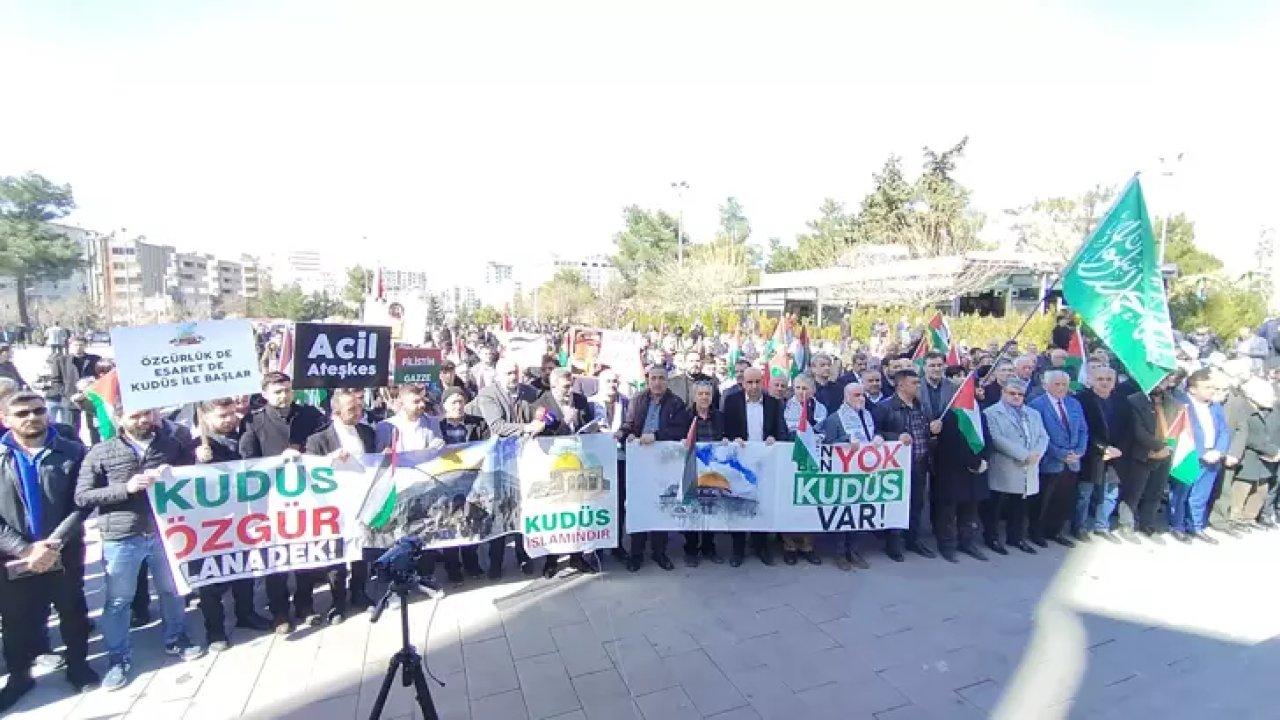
347 439
903 416
753 416
282 427
562 412
1146 458
8 369
655 414
1189 501
67 371
1099 486
828 390
40 528
483 373
113 480
222 444
504 405
871 382
853 422
1018 441
936 391
1063 419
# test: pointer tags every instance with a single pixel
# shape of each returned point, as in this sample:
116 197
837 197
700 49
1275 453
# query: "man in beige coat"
1018 440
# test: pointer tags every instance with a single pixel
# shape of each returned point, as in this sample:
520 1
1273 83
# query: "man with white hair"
1231 376
1256 472
1064 421
1099 487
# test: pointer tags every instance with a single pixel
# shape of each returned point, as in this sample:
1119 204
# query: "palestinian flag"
777 349
735 353
804 449
964 406
936 338
800 352
284 360
1076 365
104 397
1186 461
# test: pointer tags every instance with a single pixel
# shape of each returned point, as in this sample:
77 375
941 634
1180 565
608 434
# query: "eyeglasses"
38 412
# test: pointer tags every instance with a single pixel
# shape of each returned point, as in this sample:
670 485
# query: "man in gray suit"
1018 440
506 406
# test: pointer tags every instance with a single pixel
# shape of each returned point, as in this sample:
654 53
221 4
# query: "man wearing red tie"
1064 421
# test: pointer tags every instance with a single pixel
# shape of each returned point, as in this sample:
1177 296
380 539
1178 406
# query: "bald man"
753 416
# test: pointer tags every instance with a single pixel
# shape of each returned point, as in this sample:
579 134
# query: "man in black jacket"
903 416
281 427
67 371
1099 482
752 415
222 444
113 480
40 525
655 414
346 437
1147 458
561 412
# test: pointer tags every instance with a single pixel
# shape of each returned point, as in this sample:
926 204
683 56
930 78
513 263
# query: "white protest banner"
724 487
165 365
569 494
252 518
526 349
621 350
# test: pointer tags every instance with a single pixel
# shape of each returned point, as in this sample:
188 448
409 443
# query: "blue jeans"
1189 504
1106 495
121 559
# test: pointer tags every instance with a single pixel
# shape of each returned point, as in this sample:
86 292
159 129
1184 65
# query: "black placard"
333 356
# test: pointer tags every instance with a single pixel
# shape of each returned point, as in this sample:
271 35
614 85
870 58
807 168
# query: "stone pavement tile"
604 696
669 640
500 706
983 695
575 715
489 667
546 686
638 663
527 636
479 621
746 712
211 711
342 707
809 670
400 700
669 704
861 628
734 657
952 708
860 696
920 644
451 700
580 649
820 609
703 681
769 696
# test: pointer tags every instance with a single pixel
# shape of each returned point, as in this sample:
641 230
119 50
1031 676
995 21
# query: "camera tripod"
407 659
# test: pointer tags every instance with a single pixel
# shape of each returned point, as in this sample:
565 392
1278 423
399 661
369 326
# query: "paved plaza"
1103 631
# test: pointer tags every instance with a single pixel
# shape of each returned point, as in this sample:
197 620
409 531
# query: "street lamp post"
680 187
1167 169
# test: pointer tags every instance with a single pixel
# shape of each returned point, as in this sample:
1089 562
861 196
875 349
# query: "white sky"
502 130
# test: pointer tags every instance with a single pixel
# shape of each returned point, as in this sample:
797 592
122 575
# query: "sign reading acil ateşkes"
333 356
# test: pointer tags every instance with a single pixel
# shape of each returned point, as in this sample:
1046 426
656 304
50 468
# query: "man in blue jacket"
1189 502
1068 431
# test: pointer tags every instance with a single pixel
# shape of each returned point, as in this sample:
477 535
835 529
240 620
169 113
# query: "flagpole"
1053 286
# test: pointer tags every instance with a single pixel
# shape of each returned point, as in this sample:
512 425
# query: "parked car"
100 337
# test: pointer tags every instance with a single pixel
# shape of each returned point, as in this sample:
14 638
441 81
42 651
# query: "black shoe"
1205 537
1155 537
691 560
83 678
663 562
766 558
253 622
455 578
334 616
495 572
1063 540
713 558
735 560
13 691
812 558
472 569
921 549
1040 541
789 557
1108 536
1081 536
948 554
527 567
1180 536
314 619
634 562
997 547
139 618
583 564
895 554
855 559
619 554
972 551
1025 547
550 567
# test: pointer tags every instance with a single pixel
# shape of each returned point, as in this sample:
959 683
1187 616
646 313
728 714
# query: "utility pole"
1167 169
680 187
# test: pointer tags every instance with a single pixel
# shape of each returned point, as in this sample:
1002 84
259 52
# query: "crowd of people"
1060 465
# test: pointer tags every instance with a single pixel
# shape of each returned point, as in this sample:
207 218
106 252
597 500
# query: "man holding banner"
114 480
903 416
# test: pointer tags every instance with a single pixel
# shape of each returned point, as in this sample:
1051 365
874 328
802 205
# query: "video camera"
399 564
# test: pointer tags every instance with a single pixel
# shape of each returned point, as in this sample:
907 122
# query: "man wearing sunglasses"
40 528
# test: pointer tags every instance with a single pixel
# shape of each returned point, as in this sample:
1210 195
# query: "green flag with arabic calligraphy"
1115 285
